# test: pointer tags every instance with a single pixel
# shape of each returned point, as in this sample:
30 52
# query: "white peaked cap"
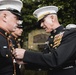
11 4
69 26
41 12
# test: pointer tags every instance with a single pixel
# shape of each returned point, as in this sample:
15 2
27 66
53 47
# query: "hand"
19 53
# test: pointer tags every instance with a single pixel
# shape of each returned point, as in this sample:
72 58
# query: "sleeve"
58 57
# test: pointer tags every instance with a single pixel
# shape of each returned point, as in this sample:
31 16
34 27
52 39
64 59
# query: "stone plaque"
40 38
37 38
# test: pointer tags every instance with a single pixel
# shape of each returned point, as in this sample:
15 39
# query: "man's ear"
52 17
4 17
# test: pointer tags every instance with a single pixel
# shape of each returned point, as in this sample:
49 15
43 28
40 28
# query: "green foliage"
66 14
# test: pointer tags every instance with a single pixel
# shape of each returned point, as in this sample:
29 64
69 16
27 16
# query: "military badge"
57 39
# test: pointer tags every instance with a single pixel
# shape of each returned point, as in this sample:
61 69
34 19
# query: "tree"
67 12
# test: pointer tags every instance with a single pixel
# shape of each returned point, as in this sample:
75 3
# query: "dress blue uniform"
61 61
6 60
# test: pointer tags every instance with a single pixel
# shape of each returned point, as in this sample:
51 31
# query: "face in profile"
47 24
18 31
11 20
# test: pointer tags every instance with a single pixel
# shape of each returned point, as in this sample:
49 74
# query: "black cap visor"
39 22
15 12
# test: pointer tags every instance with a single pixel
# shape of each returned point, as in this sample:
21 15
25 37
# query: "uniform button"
39 69
49 52
6 33
9 37
51 36
15 38
6 55
11 51
54 31
55 47
51 44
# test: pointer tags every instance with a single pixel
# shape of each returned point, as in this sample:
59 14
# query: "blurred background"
66 14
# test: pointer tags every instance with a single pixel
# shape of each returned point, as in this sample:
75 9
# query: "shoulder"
69 31
2 37
3 40
69 35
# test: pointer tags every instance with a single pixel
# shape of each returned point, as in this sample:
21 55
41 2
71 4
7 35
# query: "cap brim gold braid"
41 16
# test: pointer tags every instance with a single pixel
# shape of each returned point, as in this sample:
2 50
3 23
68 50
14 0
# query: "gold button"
51 36
51 44
9 36
6 55
19 39
15 38
11 51
6 33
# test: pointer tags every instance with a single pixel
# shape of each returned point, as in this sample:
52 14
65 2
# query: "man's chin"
47 31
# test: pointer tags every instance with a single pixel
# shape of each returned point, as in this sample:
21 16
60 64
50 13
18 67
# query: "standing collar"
57 30
4 33
12 36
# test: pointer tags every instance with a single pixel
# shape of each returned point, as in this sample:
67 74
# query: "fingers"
14 52
18 53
